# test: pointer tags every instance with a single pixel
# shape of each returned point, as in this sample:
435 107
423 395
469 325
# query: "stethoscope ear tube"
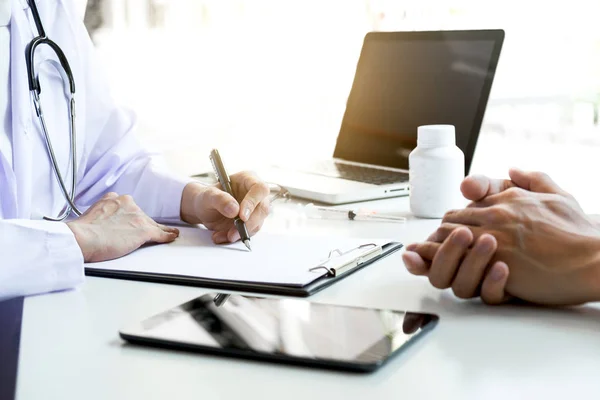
34 83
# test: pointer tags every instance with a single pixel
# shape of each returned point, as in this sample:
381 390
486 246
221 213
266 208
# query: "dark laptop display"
407 79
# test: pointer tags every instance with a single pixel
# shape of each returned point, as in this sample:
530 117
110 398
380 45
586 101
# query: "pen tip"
247 243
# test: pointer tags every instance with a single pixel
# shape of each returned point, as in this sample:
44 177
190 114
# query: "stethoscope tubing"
35 89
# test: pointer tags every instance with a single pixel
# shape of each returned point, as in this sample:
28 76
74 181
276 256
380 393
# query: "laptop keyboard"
357 173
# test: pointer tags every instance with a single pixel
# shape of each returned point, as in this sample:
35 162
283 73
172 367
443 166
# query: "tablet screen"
289 327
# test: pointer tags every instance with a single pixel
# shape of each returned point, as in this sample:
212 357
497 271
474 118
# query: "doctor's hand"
215 209
115 226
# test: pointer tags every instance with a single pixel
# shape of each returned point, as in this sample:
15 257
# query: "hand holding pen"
232 221
214 208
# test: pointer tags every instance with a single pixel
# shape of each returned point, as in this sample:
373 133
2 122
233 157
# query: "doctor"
121 187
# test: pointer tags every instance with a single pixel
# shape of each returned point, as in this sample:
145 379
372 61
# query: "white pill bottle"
436 170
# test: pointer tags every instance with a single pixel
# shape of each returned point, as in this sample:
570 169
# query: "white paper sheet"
275 259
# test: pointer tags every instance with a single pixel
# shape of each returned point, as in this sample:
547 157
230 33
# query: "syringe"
321 212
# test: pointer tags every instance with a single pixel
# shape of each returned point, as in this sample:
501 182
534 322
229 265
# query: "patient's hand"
550 246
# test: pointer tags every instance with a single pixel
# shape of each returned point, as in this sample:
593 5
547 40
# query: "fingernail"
247 213
408 258
461 238
411 247
406 262
235 237
231 208
497 274
485 246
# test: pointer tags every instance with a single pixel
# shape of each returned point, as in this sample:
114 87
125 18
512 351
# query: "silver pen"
225 182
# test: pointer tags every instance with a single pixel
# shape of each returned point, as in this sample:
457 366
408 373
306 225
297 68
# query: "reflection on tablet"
286 327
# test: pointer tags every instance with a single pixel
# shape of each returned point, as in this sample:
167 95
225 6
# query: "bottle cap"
436 135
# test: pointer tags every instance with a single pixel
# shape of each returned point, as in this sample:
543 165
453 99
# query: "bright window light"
270 78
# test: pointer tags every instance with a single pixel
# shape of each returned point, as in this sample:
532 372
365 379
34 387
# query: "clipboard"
334 265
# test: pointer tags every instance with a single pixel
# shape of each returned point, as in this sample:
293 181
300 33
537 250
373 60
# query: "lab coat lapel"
21 34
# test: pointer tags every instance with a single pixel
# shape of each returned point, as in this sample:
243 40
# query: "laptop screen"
407 79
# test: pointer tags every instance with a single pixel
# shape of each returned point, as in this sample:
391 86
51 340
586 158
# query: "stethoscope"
35 89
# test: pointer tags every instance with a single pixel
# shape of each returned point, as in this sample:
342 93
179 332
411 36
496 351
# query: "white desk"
70 348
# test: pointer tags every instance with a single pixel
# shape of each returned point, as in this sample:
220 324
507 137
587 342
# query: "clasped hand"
524 237
115 225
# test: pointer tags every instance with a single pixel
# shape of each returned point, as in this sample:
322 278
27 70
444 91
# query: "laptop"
402 80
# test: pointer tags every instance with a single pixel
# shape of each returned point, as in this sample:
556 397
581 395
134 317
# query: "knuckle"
246 178
430 249
212 191
440 234
449 215
213 194
125 199
215 191
514 192
243 174
434 236
506 185
498 214
109 203
109 195
446 228
251 203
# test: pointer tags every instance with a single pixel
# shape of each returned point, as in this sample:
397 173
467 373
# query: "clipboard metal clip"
343 264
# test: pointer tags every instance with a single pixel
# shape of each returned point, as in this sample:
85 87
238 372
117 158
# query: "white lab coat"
38 256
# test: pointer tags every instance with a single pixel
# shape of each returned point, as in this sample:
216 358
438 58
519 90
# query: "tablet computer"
284 330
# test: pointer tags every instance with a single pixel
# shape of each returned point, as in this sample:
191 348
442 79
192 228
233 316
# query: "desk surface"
70 347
